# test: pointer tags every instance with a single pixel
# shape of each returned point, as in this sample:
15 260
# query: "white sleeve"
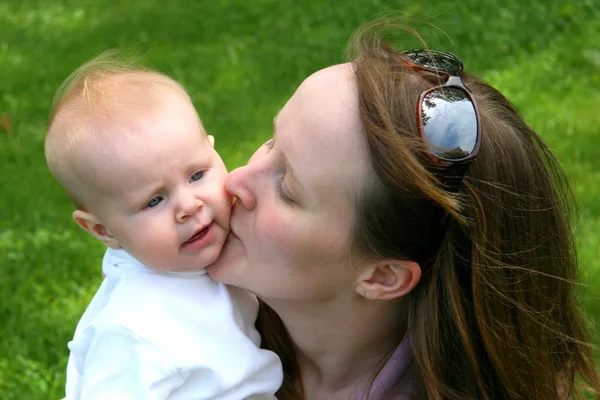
119 365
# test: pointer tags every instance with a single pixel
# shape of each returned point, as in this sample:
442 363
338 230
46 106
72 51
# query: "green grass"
240 62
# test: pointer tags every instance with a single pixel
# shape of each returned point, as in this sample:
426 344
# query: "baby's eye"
197 176
154 202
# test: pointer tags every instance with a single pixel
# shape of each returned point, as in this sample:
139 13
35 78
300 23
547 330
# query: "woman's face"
292 223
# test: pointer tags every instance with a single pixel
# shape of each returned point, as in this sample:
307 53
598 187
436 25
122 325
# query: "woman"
409 236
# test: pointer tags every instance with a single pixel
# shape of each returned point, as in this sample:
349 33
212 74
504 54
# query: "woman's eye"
197 176
287 199
154 202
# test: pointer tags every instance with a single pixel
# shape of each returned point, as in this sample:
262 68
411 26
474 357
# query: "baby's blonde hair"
103 93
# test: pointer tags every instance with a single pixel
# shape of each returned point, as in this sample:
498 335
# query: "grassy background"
241 60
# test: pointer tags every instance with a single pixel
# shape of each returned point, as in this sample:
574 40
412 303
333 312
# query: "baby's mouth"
198 235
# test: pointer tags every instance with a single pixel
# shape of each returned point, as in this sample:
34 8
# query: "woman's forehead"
321 130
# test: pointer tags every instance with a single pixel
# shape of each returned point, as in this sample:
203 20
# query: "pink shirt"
389 374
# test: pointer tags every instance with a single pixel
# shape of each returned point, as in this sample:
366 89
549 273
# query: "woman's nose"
240 184
189 205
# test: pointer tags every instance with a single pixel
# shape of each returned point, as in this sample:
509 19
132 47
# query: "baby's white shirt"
152 335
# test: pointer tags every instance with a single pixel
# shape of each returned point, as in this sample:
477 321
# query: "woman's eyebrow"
289 170
275 123
288 166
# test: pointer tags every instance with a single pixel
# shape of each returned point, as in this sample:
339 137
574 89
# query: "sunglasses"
447 115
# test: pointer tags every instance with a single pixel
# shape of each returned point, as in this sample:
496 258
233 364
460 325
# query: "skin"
291 235
154 180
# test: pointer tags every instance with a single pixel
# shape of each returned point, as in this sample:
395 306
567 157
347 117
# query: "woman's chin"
215 271
222 269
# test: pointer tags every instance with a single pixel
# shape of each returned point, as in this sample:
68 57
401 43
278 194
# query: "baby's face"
163 195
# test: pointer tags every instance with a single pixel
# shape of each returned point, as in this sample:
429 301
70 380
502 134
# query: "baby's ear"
211 140
94 226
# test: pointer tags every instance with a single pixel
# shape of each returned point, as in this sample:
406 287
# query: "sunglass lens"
437 61
449 123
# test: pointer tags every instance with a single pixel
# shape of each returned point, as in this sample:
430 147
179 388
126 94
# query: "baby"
129 149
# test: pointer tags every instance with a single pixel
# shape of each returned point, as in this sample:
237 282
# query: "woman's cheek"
274 225
281 232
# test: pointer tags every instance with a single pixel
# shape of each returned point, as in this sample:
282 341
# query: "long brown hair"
495 315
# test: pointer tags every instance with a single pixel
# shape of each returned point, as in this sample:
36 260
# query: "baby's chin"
189 269
171 268
179 266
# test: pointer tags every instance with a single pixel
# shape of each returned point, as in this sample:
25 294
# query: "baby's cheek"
157 243
221 205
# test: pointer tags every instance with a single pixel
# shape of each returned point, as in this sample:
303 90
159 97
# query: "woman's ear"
388 280
94 226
